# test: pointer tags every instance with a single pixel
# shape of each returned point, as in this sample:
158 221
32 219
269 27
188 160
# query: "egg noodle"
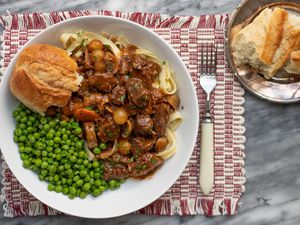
74 43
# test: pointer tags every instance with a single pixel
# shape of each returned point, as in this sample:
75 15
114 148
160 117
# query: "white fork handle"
206 158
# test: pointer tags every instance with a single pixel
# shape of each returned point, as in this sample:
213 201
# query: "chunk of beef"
157 96
84 88
73 104
118 95
94 99
137 92
102 81
111 63
125 64
145 68
120 158
114 170
141 145
90 134
144 165
108 130
143 125
161 118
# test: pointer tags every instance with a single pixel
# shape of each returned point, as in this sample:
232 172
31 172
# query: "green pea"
24 156
63 180
49 136
97 150
43 121
56 178
78 130
58 157
83 195
28 149
58 188
97 175
72 190
103 146
112 183
41 177
97 183
21 149
18 132
57 140
26 163
24 120
96 164
44 164
76 178
22 138
83 173
37 135
79 182
96 192
86 186
16 139
73 159
46 127
51 187
44 172
102 188
71 196
65 190
78 145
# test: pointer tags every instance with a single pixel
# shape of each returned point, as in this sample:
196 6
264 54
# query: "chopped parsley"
164 63
80 33
153 161
122 98
89 108
107 47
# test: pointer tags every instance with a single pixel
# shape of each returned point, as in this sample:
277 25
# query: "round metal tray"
282 88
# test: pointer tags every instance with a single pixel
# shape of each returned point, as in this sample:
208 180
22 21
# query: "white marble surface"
273 135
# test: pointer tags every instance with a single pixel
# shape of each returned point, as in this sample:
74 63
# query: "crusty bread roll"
44 76
266 43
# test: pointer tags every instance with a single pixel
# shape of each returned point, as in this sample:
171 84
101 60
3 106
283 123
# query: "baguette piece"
44 76
266 43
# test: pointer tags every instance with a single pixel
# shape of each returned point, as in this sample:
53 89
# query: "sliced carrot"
85 115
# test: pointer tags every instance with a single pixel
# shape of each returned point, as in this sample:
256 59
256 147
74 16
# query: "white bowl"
133 194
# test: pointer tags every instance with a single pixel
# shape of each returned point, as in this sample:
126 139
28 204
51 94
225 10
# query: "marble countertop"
273 135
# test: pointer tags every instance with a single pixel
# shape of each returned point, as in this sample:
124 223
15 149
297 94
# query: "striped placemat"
185 34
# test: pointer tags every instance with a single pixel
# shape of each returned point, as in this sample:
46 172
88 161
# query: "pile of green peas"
55 150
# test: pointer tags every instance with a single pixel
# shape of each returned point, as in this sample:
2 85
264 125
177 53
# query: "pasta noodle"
75 41
175 120
171 148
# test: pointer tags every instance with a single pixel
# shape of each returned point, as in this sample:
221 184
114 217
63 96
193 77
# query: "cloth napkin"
184 34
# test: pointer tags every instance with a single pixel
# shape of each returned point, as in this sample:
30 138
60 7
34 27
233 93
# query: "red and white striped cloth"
185 34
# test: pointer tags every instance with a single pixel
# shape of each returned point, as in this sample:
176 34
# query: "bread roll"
44 76
266 43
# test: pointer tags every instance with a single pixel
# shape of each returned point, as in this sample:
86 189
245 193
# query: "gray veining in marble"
273 135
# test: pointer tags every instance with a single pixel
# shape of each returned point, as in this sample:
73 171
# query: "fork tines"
209 61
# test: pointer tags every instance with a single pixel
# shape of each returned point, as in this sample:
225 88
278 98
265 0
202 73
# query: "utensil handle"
207 157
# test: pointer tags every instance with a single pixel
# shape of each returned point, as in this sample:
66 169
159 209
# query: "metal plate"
283 87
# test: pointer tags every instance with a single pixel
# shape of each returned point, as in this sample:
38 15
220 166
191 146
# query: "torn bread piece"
266 43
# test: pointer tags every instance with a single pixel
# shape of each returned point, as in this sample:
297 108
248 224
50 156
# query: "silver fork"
208 83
